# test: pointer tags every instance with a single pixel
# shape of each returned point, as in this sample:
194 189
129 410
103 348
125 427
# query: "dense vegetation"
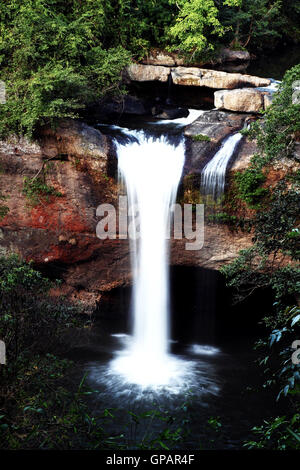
43 403
56 57
273 260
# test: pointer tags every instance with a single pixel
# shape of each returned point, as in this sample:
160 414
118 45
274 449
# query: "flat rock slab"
194 76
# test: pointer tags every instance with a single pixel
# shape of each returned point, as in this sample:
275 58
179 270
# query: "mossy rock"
201 138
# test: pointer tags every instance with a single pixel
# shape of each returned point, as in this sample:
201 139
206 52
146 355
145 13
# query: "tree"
197 27
53 60
260 23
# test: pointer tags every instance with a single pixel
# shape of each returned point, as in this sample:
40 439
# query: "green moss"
201 138
36 189
223 218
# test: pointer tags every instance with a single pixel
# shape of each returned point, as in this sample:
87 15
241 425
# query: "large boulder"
75 138
170 113
59 229
245 100
228 55
147 73
158 57
193 76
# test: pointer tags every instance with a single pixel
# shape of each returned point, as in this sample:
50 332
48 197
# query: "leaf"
295 320
296 436
163 445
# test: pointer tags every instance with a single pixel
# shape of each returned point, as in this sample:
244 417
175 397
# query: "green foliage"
196 21
53 61
29 319
276 229
276 135
35 190
248 184
3 209
280 433
223 218
273 262
253 22
42 412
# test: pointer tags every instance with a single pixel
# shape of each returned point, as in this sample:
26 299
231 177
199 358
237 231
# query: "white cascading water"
213 174
151 169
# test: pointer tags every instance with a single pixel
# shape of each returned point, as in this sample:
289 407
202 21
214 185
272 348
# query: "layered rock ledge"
194 76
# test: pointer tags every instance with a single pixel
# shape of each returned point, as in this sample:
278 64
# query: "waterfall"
213 174
151 169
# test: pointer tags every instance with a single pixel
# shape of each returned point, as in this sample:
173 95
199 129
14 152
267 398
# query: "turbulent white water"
192 116
272 88
213 174
151 169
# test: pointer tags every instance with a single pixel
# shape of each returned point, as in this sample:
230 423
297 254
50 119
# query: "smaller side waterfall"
213 174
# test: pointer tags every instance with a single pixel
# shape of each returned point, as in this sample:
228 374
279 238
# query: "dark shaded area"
176 95
114 310
202 309
276 63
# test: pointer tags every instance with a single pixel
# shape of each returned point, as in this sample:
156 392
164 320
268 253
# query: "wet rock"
171 113
216 125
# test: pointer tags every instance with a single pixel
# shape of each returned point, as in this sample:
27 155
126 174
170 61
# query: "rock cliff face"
58 231
74 161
